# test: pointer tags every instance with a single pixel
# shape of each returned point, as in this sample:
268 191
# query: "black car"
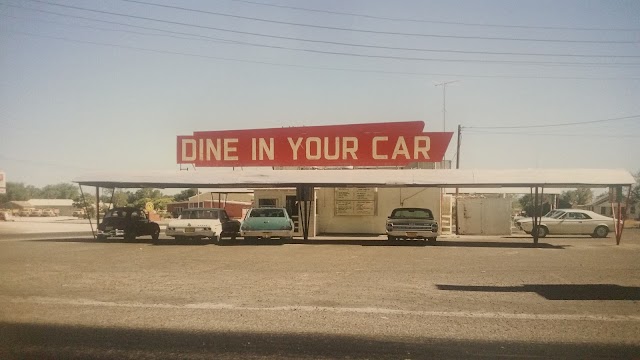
127 222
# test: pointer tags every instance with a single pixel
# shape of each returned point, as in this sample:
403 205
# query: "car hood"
411 221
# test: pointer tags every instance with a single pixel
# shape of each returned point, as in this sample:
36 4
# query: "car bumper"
412 234
195 233
267 233
525 226
111 233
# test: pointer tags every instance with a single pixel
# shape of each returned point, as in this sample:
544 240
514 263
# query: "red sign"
383 144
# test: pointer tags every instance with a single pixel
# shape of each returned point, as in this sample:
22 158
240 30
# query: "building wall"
386 200
604 208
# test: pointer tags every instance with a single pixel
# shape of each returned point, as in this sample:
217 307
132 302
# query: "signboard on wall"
355 201
378 144
3 183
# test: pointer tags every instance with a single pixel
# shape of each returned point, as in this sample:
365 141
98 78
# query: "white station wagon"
569 221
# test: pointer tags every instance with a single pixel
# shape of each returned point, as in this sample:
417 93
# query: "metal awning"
261 178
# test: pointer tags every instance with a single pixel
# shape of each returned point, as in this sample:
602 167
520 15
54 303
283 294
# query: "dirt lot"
341 297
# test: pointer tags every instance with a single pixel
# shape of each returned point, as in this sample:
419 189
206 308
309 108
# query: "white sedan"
196 223
569 221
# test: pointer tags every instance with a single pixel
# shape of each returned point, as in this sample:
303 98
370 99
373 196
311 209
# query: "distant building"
64 206
234 201
602 206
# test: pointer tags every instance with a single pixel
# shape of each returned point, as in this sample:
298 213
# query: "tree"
19 192
527 204
184 195
120 198
571 198
59 191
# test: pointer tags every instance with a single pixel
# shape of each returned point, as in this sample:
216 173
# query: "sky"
107 85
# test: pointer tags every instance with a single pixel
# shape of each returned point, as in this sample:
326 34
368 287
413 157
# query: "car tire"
216 238
391 238
156 233
601 232
542 231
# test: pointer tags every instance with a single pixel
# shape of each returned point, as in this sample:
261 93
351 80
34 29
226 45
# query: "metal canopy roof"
264 177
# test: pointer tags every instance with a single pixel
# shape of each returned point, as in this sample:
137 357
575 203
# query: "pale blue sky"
72 106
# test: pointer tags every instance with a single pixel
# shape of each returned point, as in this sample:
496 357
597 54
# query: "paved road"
472 297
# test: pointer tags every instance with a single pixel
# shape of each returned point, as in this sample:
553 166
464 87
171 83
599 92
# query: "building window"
632 210
603 210
267 203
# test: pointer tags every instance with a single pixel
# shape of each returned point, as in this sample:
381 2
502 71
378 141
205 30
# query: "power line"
114 30
513 62
328 27
333 42
433 21
554 125
314 67
275 21
551 134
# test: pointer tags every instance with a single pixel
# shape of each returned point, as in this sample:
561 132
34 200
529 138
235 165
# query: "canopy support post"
536 222
304 195
619 222
86 211
97 206
113 194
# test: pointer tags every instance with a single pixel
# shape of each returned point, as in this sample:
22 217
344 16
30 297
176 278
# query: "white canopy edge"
504 190
265 177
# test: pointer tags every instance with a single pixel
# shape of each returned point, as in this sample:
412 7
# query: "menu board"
355 201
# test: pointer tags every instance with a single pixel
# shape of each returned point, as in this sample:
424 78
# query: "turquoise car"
267 223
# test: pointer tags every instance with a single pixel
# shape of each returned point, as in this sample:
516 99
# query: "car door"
587 224
574 223
140 222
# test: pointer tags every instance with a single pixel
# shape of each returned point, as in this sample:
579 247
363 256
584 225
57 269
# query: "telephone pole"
444 101
458 167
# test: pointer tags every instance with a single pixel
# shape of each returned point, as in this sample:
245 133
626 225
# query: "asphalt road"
471 297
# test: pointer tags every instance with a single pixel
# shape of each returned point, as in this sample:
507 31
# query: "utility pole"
444 101
458 167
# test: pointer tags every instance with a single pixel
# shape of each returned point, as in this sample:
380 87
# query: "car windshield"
412 214
554 214
267 213
199 214
115 214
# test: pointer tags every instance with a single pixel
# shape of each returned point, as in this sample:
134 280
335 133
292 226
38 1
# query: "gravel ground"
331 297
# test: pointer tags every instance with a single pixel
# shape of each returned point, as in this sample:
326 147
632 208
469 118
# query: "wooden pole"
458 167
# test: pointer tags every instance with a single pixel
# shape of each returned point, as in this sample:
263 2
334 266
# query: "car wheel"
391 238
542 231
601 232
156 233
216 238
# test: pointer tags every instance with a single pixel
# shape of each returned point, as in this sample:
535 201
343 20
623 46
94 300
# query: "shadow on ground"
559 291
335 241
44 341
